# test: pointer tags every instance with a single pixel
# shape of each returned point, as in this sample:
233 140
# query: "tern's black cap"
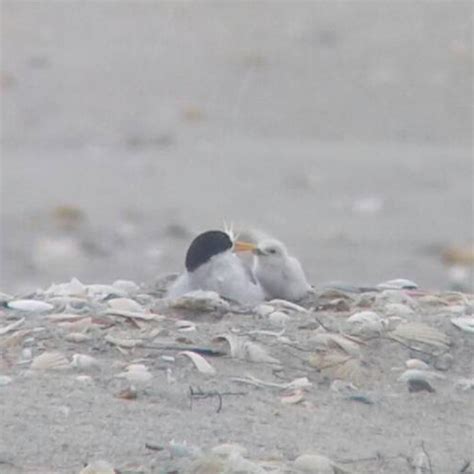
205 246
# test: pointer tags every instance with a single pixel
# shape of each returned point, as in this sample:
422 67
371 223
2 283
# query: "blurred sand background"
343 128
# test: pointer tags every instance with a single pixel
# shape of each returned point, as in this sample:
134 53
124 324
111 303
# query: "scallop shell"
365 323
410 333
50 361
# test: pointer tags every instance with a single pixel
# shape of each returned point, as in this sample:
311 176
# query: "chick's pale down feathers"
279 274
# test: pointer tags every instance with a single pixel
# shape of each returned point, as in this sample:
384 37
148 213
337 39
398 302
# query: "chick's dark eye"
271 251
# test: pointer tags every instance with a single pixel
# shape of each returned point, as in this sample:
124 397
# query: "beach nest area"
115 378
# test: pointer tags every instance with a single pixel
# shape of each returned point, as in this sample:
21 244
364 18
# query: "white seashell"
11 327
126 304
127 286
134 314
264 310
98 467
398 284
200 301
288 306
5 380
246 350
416 364
228 449
419 374
314 464
465 323
50 361
77 337
278 318
365 323
201 364
73 288
398 310
84 362
30 305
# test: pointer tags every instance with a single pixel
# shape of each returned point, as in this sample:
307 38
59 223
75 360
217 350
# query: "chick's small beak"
244 246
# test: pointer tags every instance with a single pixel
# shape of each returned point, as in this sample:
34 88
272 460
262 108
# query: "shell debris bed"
120 347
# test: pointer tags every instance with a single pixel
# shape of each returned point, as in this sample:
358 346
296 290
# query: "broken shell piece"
201 364
285 305
84 362
129 393
246 350
365 323
416 364
73 288
184 326
126 304
50 361
64 317
77 337
30 306
98 291
86 379
293 397
464 323
98 467
317 464
12 326
200 300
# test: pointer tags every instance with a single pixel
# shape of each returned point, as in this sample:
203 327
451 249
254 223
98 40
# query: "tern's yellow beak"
244 246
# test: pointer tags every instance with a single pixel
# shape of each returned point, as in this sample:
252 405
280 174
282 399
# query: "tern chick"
211 265
279 274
